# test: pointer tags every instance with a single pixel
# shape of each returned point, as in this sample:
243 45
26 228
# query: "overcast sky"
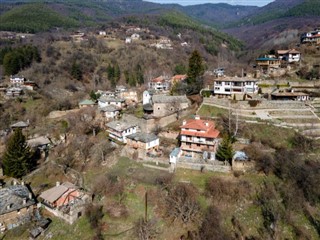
233 2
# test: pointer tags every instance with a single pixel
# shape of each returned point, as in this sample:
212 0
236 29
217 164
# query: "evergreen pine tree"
17 160
196 68
117 73
76 71
225 151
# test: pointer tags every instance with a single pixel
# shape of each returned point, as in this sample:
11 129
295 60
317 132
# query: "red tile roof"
158 79
179 77
200 124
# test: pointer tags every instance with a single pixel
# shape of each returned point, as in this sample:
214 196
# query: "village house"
119 130
120 88
14 92
144 141
231 86
135 37
106 93
175 155
65 201
289 56
178 78
164 105
41 144
163 43
128 40
20 124
17 80
219 72
86 103
102 33
268 63
105 101
129 95
198 136
16 206
290 95
161 83
241 162
312 37
110 112
30 85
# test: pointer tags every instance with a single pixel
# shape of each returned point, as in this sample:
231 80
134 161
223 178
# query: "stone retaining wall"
263 104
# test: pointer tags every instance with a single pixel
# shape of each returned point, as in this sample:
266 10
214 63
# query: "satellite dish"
205 155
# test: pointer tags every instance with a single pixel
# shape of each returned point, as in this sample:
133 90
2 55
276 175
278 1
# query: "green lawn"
211 111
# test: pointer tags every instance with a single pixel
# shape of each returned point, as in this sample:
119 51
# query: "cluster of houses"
17 86
312 37
272 62
18 205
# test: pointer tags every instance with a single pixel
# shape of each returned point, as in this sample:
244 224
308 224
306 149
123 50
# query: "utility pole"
146 207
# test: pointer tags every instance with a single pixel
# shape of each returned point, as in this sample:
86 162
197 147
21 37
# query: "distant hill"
280 9
33 18
218 14
277 24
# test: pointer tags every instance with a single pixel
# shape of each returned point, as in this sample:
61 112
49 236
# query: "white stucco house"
119 130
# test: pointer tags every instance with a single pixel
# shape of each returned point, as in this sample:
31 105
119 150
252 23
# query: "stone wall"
165 121
208 167
263 104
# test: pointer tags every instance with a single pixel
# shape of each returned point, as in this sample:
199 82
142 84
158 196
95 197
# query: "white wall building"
235 86
119 130
105 101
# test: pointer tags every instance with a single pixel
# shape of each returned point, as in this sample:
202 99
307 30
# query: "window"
227 83
217 88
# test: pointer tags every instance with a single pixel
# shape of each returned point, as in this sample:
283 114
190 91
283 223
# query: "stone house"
164 105
107 101
241 162
14 91
16 206
198 136
110 112
119 130
66 201
144 141
20 124
312 37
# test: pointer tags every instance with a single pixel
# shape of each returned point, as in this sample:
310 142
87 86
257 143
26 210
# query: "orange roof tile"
200 124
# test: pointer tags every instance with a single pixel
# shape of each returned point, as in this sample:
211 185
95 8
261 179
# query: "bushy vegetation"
16 59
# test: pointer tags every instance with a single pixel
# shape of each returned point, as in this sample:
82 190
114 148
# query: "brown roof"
202 125
53 194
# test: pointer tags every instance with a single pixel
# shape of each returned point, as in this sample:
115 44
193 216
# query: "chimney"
22 183
24 201
57 184
184 122
197 117
207 124
8 206
30 195
14 182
